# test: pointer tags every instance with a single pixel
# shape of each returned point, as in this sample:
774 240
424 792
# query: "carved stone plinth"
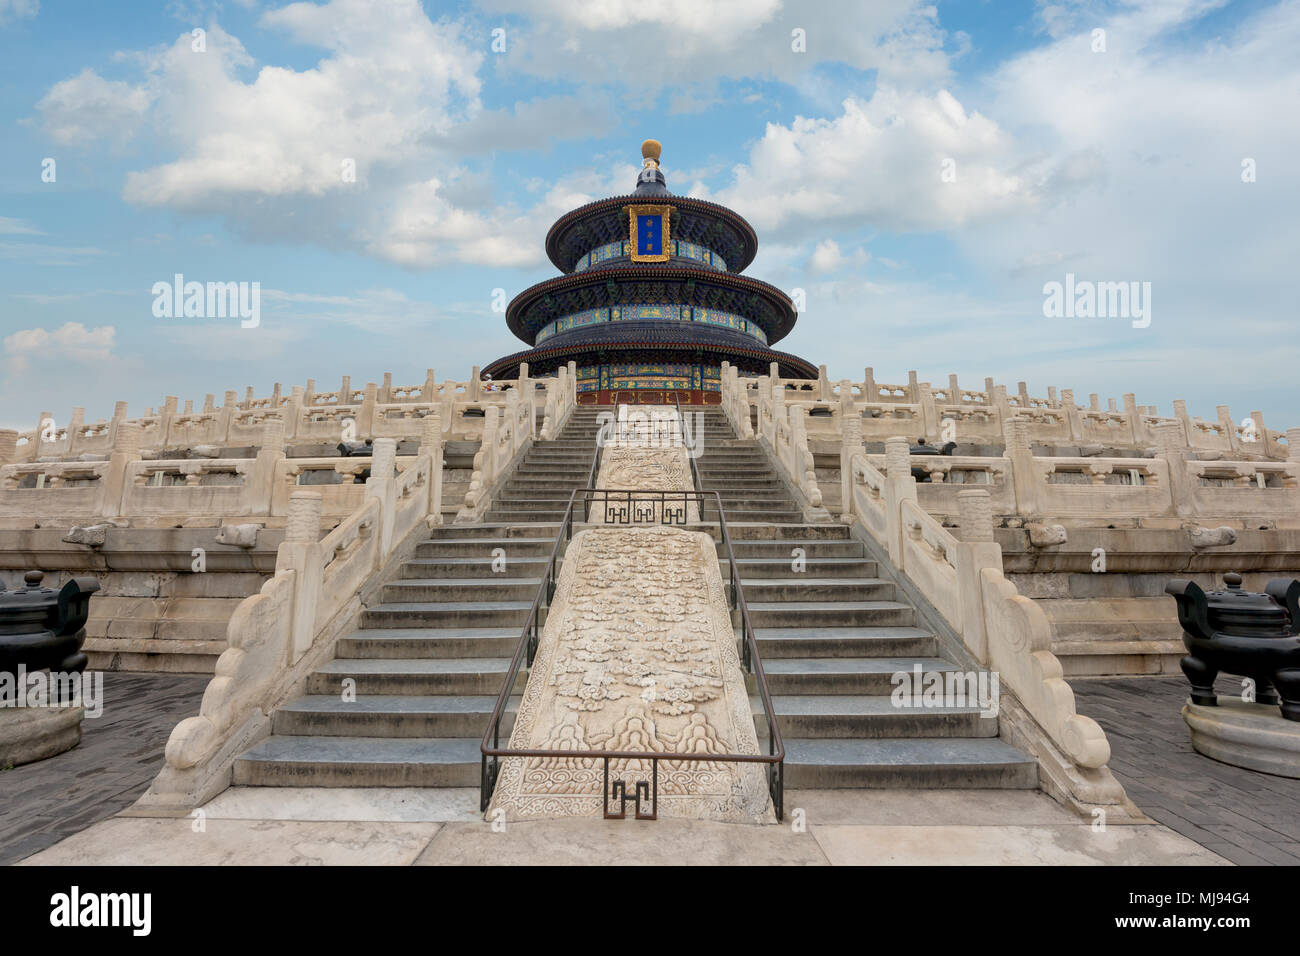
28 734
1250 735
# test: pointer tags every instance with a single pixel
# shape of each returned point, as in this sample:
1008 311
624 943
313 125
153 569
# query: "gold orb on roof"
650 150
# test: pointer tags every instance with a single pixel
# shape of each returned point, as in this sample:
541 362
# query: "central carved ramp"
638 654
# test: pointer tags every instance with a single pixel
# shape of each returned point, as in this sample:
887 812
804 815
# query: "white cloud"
827 258
71 340
394 96
1116 166
392 80
881 161
17 227
685 43
84 108
17 10
47 254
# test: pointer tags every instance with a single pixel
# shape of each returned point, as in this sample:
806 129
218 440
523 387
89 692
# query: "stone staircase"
429 659
540 487
831 636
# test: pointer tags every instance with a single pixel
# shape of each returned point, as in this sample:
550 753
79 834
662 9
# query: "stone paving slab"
136 841
1075 844
1248 817
224 840
119 755
587 842
398 804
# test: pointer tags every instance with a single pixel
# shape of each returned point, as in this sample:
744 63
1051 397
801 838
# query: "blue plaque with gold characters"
648 228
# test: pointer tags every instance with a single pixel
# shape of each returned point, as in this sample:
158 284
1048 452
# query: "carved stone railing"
561 399
1086 491
278 636
307 417
507 436
128 487
961 578
1077 489
782 431
735 403
939 414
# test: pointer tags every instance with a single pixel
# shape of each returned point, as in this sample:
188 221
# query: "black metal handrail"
751 661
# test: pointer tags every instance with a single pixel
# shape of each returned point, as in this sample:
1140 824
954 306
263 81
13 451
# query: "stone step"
492 530
360 762
413 676
750 514
522 480
547 490
576 476
318 715
831 716
427 642
424 590
748 507
821 642
760 497
829 548
792 532
805 587
483 547
923 763
554 463
476 566
781 567
448 614
841 675
548 515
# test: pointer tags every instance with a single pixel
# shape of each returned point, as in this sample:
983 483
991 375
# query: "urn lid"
29 598
1234 611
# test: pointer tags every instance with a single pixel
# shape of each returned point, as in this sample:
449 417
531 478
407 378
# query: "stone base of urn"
28 734
1250 735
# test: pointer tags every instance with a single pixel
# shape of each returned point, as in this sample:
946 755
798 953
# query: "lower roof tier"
652 342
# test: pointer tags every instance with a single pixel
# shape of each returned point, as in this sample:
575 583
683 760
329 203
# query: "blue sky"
1116 164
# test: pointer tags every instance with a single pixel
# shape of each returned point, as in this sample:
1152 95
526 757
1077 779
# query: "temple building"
652 300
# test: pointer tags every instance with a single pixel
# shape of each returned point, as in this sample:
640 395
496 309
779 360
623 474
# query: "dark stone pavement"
120 753
1247 817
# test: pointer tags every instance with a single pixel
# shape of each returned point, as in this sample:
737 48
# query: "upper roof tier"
697 221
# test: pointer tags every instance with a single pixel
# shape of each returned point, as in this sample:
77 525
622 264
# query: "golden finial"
650 150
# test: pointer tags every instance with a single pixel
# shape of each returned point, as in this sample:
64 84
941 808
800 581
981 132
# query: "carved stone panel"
638 654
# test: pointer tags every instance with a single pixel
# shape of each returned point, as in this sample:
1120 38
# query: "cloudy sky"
920 170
